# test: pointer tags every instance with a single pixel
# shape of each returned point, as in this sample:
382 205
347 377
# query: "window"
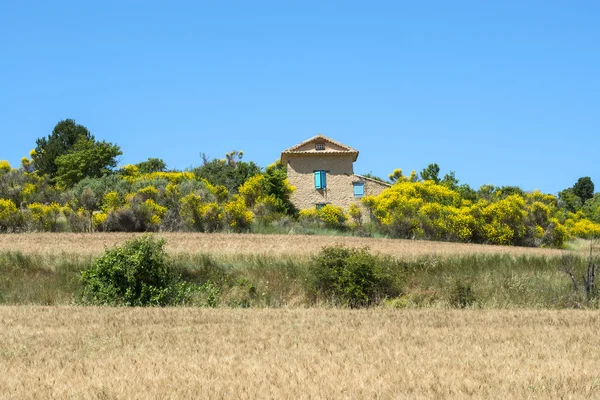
320 179
320 205
320 146
359 189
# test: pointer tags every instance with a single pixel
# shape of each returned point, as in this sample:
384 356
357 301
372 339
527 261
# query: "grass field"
245 244
285 346
271 270
112 353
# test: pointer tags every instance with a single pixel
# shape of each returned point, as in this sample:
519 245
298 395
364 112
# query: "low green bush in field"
134 274
353 277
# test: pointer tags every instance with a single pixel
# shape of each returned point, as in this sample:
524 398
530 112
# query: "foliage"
584 188
239 218
62 140
151 165
431 173
10 216
230 172
504 216
329 216
87 159
461 295
352 277
134 274
44 217
4 167
569 200
398 176
201 216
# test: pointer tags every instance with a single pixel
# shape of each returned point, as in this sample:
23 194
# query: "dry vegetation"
245 244
63 352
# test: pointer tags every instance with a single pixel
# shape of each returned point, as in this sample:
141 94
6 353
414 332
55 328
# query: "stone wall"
340 179
340 175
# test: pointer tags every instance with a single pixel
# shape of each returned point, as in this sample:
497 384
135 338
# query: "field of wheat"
248 244
106 353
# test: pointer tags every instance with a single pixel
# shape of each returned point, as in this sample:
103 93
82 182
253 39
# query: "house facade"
322 171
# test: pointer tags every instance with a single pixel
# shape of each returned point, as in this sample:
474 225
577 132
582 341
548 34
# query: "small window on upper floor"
320 146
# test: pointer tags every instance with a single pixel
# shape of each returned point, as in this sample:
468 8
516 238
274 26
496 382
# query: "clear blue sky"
502 92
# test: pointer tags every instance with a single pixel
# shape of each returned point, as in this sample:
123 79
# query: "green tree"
230 172
591 208
151 165
584 188
568 200
449 180
88 159
62 140
398 176
431 173
276 184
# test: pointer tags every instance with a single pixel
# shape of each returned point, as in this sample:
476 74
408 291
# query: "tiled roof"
319 138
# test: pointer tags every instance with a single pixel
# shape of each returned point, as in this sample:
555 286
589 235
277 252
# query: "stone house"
322 172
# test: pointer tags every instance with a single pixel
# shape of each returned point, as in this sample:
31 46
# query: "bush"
353 277
134 274
461 295
10 216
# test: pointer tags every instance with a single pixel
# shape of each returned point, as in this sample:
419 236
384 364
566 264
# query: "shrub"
10 216
4 167
353 277
134 274
237 214
461 295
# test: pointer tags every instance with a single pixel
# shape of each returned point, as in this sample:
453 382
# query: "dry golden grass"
244 244
118 353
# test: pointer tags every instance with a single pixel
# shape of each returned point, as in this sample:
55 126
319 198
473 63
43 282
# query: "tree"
230 172
431 173
62 140
398 176
88 159
276 184
584 188
449 180
568 200
151 165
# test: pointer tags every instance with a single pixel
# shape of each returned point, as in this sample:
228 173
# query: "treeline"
71 182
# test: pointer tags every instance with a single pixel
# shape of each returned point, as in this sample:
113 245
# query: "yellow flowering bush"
129 171
238 216
156 208
28 191
10 216
111 201
433 211
44 217
149 192
252 189
329 215
583 228
4 166
98 219
212 215
355 214
333 216
189 211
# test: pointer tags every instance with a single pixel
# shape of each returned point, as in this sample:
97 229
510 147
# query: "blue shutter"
359 189
323 179
318 180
